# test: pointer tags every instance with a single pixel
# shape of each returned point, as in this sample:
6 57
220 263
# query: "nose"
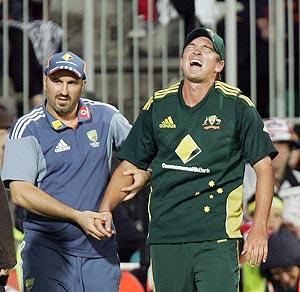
198 50
64 89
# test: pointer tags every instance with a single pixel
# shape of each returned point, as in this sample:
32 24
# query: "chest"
210 129
70 148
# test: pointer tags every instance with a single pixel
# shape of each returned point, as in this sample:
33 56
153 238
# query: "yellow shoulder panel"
226 88
247 99
148 104
226 85
163 92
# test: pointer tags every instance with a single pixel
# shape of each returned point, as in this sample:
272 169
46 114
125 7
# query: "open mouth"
195 62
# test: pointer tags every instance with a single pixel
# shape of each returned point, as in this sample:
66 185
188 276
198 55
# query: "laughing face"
200 62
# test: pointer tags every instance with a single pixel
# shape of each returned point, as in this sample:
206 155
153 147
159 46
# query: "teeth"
195 63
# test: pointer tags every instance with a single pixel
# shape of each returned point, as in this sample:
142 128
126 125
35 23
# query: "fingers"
97 225
103 223
265 253
129 172
130 196
245 248
254 255
130 188
93 235
96 233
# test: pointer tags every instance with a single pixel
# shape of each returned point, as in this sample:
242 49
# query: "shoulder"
99 106
26 124
232 92
101 110
227 90
162 95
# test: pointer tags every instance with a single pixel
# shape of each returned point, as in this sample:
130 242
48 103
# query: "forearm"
39 202
113 194
264 191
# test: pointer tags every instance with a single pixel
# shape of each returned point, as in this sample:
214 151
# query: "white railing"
119 73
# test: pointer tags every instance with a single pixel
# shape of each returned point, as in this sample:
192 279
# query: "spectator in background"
287 180
6 120
282 268
251 279
144 19
263 41
7 245
45 39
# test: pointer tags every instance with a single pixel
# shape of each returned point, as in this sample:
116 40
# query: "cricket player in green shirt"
196 137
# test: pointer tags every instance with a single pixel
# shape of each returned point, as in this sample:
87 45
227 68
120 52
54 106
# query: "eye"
190 46
73 82
207 49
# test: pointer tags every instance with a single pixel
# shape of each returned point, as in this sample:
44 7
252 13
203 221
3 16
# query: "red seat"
13 281
129 283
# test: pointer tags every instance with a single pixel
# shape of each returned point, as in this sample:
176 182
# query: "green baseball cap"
217 41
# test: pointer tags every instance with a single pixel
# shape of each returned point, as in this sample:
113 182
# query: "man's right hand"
104 223
89 222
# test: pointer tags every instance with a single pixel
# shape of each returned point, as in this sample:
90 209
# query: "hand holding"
88 222
140 178
104 222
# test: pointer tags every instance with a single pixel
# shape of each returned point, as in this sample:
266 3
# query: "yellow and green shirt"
197 155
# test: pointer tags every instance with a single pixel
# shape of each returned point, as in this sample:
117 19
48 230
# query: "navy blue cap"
66 61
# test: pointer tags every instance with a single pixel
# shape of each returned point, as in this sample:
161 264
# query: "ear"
83 86
44 82
220 65
180 61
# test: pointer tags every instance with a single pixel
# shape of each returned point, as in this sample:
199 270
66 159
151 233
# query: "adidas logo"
62 146
167 123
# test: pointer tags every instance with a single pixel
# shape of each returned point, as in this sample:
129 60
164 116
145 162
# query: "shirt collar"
83 115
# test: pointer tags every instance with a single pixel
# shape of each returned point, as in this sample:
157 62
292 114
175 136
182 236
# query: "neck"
193 93
69 119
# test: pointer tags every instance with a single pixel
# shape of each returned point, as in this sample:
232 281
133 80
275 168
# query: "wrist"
104 210
259 225
74 215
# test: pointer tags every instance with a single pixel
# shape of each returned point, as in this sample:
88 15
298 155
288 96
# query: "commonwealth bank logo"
167 123
187 149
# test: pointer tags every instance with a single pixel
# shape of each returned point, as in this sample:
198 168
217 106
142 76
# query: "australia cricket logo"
212 122
93 136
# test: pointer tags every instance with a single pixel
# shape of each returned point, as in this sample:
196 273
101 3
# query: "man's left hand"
140 177
255 248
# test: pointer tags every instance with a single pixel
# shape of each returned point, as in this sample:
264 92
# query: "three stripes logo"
167 123
62 146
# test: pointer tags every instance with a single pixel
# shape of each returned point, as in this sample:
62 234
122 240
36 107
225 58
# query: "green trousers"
209 266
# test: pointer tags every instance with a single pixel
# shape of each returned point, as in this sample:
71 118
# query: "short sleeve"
251 132
20 160
140 147
119 129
